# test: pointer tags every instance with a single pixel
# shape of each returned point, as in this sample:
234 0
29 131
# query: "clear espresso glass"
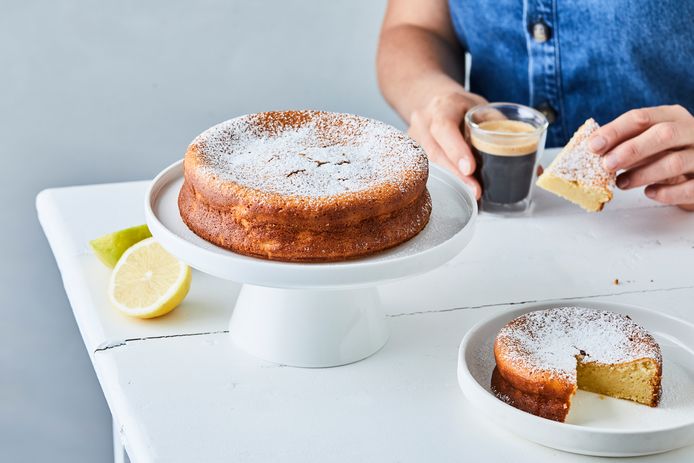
507 141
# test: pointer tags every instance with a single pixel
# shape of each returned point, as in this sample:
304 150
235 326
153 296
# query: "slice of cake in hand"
577 174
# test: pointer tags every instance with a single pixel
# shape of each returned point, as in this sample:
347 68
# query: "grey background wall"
113 91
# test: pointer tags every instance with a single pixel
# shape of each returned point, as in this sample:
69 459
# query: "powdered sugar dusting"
308 153
551 340
578 163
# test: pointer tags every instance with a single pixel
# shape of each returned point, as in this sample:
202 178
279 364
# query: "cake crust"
281 242
552 407
305 186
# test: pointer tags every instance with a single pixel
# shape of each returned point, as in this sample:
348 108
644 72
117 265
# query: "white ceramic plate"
450 229
596 425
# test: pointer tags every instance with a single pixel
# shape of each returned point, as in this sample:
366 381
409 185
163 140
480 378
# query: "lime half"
109 248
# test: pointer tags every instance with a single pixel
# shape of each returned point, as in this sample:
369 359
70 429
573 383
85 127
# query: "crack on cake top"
335 153
294 172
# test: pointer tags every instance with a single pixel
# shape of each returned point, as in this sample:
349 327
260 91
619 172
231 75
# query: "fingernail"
622 182
610 162
597 143
464 166
650 192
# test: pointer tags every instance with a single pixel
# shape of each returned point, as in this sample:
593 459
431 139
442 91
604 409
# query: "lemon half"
147 281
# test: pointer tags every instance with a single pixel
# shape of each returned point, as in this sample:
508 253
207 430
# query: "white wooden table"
179 392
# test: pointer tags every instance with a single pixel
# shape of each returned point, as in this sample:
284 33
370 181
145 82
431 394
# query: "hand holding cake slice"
577 174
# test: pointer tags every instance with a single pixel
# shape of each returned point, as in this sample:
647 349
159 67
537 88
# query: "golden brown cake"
577 174
543 357
305 186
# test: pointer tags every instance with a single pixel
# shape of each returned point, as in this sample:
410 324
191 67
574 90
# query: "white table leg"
118 449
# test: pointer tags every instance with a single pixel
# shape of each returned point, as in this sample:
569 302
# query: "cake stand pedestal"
310 328
314 315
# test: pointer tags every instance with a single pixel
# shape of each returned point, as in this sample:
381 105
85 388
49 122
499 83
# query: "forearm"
414 63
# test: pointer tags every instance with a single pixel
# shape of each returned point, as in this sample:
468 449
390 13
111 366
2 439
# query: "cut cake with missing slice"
577 174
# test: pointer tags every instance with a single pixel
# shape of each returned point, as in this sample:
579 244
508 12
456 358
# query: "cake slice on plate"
577 174
544 356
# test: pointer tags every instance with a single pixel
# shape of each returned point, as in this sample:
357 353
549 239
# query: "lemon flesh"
148 281
109 248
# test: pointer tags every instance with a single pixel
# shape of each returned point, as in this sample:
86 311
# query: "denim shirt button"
549 112
540 31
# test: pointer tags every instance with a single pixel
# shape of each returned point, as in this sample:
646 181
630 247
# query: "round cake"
543 357
305 186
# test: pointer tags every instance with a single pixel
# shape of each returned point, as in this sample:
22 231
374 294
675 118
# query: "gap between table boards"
108 345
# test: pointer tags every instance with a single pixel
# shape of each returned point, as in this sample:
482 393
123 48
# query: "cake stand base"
308 327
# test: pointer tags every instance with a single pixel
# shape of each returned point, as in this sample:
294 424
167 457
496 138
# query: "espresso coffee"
505 159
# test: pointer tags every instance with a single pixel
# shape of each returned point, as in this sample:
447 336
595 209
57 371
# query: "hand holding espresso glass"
436 126
507 141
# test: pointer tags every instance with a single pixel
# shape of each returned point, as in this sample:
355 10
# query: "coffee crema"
507 139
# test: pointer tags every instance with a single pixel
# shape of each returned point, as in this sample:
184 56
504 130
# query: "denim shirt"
575 59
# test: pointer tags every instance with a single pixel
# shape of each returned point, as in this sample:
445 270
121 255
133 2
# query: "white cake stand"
314 315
